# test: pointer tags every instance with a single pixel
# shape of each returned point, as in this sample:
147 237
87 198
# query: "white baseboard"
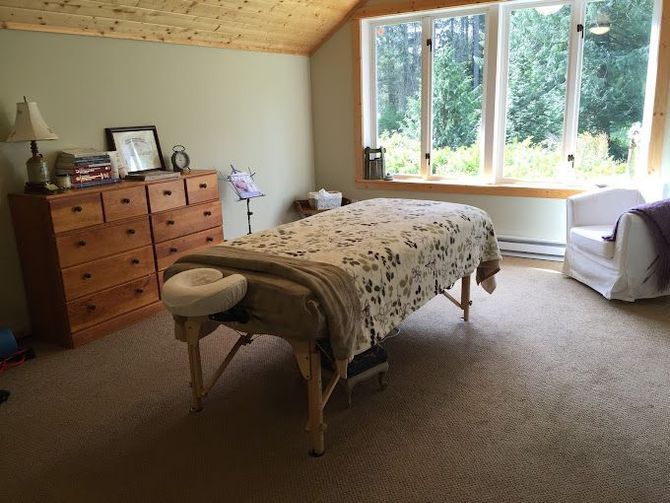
530 248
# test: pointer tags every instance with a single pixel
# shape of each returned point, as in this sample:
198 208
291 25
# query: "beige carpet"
550 393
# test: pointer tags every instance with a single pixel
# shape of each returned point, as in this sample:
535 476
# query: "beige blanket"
331 285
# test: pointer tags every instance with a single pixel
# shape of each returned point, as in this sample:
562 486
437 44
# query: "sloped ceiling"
286 26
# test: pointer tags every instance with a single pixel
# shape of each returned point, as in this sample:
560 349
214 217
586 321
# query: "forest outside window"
525 91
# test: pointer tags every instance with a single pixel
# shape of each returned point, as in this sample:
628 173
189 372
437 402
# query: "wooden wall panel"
659 122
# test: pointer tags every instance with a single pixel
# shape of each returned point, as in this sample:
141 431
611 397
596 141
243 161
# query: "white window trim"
494 97
573 84
426 94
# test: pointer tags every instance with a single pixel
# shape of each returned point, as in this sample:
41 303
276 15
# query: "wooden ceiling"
286 26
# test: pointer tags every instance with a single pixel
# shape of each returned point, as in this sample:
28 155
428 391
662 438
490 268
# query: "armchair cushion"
590 239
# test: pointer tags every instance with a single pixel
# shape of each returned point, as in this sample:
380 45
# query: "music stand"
244 186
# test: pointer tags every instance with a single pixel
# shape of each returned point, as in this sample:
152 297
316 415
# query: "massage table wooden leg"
188 331
308 357
465 297
465 301
309 361
195 366
315 403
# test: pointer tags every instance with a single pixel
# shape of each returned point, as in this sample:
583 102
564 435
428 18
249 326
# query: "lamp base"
38 171
42 188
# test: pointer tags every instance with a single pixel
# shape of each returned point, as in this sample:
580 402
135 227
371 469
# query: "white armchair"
619 269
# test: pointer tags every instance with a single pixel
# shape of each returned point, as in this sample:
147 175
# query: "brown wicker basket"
305 210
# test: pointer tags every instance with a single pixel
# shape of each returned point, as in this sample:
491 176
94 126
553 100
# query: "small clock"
180 159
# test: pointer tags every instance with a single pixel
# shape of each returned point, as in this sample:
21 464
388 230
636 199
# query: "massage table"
348 276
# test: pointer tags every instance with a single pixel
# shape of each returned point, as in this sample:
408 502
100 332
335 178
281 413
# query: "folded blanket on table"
657 217
333 286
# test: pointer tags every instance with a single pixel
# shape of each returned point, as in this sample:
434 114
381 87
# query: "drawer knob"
135 261
207 213
81 243
203 185
173 250
210 239
139 290
167 192
131 231
87 275
170 222
125 200
77 209
90 307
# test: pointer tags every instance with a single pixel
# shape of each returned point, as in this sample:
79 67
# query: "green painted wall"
250 109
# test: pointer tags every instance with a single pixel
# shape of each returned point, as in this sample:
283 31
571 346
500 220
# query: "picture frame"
244 185
138 147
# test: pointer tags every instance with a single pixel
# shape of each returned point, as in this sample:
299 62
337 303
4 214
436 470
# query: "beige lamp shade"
29 124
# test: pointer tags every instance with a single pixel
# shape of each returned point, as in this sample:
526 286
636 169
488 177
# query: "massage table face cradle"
190 331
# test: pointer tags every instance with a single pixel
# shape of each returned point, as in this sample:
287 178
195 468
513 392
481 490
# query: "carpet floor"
549 393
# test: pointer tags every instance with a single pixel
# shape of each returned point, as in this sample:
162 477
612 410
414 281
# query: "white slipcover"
617 270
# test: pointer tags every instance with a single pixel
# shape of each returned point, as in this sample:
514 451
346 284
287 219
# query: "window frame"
573 73
495 89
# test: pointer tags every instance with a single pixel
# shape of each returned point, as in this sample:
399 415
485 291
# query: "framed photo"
138 147
243 184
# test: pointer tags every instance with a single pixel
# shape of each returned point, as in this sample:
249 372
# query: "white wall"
250 109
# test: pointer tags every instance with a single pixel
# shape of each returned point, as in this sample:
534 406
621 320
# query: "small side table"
305 210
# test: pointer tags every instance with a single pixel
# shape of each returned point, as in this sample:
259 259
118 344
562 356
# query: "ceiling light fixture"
548 10
601 25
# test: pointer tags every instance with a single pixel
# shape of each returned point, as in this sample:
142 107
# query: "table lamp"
30 126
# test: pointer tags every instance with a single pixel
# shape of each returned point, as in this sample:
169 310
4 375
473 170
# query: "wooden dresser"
92 259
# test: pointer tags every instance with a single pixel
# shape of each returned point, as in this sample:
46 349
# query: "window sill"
514 190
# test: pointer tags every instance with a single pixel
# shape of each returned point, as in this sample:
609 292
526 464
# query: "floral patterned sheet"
400 252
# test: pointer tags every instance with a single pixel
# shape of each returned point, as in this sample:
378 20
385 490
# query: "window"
537 77
612 93
527 91
457 95
398 91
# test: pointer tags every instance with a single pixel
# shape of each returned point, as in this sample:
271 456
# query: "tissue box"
325 199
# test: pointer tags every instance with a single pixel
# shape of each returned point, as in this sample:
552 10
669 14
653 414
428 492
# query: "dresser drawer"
166 195
169 251
84 246
107 272
75 212
107 304
124 203
176 223
202 188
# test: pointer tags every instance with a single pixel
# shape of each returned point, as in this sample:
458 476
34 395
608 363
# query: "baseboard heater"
530 248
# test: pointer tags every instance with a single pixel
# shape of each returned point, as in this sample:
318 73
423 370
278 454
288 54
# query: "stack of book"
86 167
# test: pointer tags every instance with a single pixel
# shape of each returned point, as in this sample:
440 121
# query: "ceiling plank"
339 25
215 13
407 6
289 26
97 9
225 35
50 21
8 25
